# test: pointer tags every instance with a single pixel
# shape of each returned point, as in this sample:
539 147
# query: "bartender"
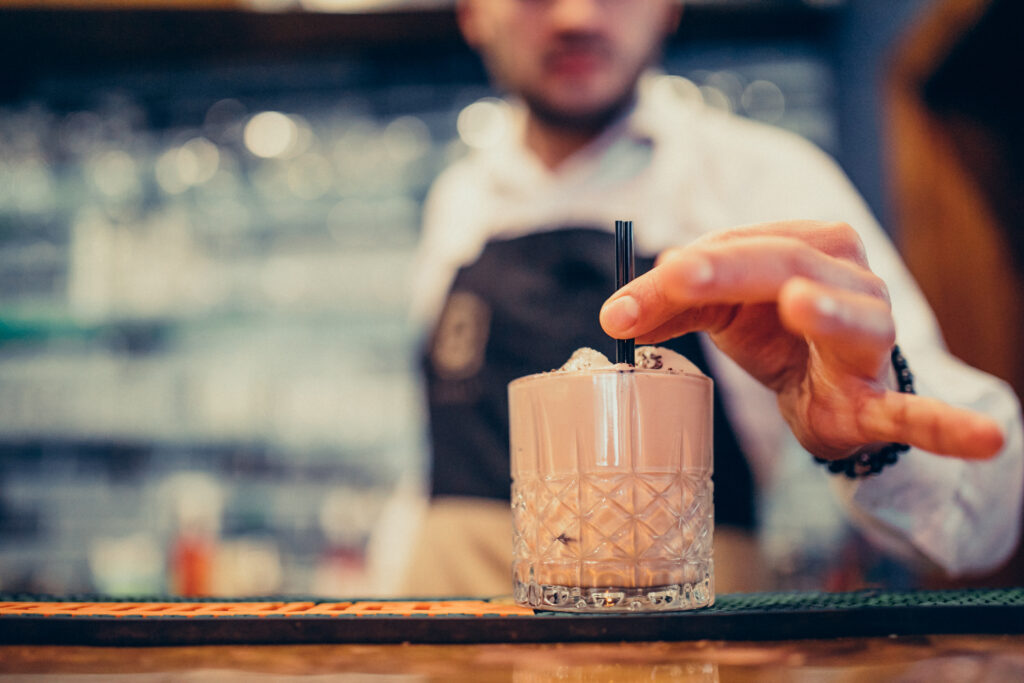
796 314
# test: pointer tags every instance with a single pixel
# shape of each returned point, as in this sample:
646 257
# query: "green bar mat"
97 620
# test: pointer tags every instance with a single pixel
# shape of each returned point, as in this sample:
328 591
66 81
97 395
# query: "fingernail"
620 315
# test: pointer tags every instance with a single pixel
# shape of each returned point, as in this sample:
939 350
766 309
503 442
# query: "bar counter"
903 658
871 635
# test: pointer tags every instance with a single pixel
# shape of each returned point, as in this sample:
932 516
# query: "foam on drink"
647 358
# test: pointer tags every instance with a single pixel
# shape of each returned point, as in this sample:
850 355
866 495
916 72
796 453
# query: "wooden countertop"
906 658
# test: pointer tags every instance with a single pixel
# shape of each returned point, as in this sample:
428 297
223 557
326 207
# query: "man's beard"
586 122
590 121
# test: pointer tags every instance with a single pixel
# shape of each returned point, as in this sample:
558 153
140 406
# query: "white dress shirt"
680 170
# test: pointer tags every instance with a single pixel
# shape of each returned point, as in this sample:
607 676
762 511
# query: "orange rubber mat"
362 608
755 616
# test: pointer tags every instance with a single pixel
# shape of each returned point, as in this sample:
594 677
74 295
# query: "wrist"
872 459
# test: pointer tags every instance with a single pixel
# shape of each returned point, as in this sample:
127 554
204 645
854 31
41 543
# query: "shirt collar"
514 168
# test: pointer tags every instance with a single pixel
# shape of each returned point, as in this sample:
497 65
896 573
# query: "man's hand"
795 305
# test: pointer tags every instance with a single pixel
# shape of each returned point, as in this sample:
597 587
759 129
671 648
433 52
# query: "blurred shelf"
140 335
45 40
127 458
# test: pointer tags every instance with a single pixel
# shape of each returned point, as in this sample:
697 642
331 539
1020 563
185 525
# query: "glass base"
673 597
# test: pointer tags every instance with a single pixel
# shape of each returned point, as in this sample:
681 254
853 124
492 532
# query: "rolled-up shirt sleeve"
961 516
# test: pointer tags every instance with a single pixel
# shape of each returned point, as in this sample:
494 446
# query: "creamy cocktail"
611 492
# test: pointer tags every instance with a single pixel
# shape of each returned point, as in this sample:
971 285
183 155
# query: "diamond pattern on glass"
604 530
558 524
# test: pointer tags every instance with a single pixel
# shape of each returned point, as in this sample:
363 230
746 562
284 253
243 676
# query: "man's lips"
576 62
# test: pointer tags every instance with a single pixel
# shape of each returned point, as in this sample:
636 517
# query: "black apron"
523 307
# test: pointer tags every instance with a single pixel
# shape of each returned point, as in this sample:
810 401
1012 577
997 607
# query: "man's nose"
575 15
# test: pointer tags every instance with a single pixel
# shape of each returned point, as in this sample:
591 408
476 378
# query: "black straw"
625 271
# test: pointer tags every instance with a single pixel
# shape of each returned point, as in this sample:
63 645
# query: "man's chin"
579 115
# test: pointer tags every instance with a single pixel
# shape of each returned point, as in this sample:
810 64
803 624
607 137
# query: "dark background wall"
867 34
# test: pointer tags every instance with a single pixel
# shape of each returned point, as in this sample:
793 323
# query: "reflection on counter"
208 383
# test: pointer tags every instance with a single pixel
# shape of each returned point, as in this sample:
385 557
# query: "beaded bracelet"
866 464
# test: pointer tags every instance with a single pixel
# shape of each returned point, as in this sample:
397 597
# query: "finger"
931 425
745 271
714 317
853 330
835 239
